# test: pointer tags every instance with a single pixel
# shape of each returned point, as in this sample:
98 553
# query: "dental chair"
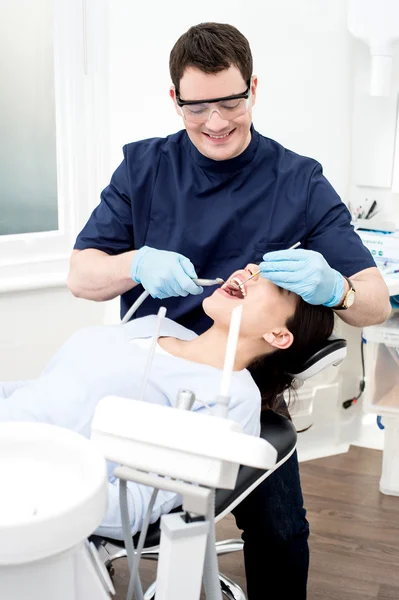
277 430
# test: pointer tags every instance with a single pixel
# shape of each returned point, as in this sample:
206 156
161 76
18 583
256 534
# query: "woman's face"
266 307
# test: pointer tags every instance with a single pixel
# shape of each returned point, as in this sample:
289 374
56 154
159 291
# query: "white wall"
302 54
34 324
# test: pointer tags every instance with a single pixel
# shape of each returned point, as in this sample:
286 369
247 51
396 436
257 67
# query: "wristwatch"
349 297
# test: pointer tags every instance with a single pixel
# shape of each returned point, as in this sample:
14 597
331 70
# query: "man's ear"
172 94
281 339
254 85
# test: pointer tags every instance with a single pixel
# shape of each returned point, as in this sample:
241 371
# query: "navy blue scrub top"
222 215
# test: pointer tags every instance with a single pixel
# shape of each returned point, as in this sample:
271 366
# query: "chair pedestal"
281 433
111 552
230 590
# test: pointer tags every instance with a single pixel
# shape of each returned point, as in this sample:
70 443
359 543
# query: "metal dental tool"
207 282
145 294
257 272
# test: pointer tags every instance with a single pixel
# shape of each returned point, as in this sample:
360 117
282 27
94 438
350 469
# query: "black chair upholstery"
277 430
319 352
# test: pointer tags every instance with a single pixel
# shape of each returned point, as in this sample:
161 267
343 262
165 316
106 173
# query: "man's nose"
216 121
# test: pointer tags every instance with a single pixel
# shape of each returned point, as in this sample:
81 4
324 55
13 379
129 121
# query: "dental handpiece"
207 282
257 272
145 294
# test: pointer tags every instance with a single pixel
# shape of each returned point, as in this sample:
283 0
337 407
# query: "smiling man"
201 203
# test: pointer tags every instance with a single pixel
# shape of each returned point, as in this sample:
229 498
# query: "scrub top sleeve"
330 231
110 226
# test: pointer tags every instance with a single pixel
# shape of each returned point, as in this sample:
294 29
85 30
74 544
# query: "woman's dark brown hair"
211 48
310 325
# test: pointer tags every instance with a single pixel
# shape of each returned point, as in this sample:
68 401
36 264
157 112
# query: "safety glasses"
228 107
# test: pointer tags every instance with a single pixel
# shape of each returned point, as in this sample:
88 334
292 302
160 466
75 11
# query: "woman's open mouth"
234 289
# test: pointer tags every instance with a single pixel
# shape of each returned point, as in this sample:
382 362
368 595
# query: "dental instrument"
145 294
222 401
257 272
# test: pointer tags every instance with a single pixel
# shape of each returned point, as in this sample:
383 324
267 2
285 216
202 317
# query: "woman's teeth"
234 288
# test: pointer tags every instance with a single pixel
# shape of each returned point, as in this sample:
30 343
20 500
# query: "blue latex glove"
305 273
164 274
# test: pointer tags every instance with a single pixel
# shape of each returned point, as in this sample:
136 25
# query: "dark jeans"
275 534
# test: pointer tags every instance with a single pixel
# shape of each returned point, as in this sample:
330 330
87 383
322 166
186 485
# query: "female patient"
276 327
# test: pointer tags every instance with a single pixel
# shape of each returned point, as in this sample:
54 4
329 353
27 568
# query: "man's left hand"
305 273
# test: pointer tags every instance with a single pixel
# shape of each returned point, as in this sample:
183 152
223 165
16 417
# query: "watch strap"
343 306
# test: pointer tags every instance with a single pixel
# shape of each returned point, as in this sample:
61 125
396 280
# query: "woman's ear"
281 339
172 94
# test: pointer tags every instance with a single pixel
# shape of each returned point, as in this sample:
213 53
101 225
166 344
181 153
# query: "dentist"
201 203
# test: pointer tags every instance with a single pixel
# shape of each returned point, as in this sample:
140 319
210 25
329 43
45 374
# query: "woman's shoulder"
145 327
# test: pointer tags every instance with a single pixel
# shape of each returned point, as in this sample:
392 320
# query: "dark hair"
310 325
211 48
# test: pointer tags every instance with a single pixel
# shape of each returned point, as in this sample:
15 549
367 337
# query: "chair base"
109 553
230 589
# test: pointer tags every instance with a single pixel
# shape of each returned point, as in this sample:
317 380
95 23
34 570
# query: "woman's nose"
252 267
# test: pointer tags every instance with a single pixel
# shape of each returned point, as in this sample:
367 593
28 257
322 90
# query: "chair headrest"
331 352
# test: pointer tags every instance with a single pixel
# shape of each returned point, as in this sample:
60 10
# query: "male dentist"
204 202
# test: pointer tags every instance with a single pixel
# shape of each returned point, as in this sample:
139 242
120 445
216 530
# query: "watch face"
350 299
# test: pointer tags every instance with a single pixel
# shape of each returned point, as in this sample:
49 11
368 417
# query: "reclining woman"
277 326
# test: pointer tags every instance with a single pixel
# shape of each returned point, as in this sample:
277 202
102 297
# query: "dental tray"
198 448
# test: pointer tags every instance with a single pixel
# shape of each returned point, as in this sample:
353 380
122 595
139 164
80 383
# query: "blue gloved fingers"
164 273
188 267
291 256
185 279
293 271
306 273
338 292
177 284
157 289
186 284
172 282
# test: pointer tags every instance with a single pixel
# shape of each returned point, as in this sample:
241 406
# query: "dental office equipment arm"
145 294
185 400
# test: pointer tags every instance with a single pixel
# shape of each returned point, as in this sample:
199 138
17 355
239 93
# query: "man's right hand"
164 274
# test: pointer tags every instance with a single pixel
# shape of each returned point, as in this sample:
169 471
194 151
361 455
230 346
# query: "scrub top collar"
233 164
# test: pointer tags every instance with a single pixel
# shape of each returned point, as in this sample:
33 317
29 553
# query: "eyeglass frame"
243 96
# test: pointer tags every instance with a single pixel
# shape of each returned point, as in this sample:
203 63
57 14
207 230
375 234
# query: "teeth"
235 288
219 137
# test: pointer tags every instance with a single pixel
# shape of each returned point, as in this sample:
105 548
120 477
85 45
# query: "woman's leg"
275 532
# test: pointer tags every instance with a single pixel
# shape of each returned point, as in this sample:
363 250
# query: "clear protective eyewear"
228 107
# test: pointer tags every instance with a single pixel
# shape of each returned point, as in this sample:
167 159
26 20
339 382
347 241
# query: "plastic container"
382 367
382 394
